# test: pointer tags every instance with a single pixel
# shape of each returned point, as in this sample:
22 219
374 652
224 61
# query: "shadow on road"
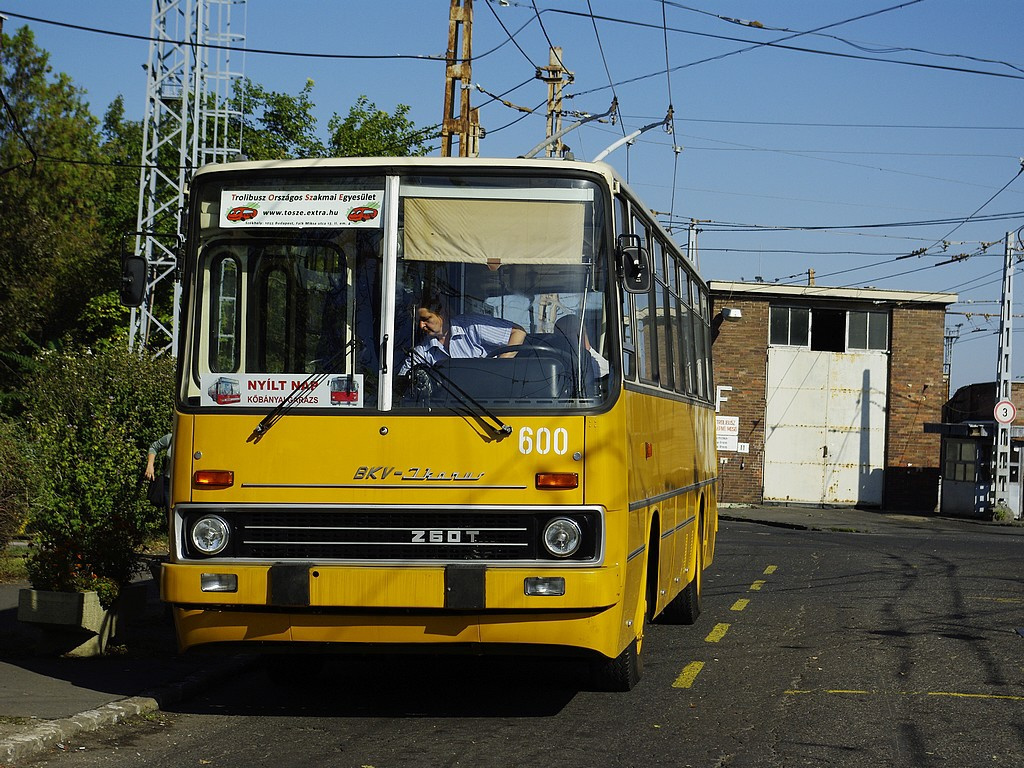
397 686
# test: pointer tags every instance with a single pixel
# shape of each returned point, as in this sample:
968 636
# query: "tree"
277 126
371 132
102 319
16 481
51 176
121 148
91 418
69 190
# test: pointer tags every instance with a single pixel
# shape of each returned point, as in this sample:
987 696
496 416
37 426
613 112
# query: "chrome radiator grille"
376 534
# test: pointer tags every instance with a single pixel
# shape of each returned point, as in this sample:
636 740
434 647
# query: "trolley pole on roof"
1004 407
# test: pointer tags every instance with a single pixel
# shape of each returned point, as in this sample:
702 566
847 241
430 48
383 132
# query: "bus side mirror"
133 280
634 265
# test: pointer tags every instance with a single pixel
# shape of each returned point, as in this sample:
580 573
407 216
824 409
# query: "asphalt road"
815 649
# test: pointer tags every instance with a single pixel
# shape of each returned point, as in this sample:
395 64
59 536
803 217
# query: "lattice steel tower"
191 119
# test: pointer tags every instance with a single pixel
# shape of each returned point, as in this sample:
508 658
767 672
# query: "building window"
869 330
961 460
790 326
829 330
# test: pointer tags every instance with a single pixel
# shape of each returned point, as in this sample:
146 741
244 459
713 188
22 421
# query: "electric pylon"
190 120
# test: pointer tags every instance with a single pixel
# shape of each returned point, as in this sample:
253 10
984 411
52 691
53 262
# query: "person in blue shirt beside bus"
468 335
160 485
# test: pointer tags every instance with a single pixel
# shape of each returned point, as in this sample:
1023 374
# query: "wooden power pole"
557 77
459 119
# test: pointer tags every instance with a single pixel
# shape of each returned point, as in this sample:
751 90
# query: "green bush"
16 482
91 416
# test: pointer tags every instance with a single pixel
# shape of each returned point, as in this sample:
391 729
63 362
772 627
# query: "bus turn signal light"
557 481
214 478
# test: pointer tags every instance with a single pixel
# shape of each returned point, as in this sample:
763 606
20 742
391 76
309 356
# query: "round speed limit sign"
1005 412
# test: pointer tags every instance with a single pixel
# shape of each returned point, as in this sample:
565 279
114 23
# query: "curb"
53 732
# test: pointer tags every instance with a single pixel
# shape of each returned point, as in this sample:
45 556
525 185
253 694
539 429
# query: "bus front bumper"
305 603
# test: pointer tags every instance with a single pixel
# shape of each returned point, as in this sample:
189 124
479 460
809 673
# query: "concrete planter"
74 622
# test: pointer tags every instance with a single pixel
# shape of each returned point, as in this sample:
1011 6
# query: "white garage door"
825 426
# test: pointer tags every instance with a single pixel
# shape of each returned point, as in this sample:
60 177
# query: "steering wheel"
421 382
528 347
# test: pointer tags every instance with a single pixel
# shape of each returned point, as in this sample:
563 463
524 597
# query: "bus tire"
686 606
621 673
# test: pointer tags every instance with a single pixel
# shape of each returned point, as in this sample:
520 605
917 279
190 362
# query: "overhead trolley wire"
215 46
511 36
753 45
604 59
670 123
971 217
878 47
551 46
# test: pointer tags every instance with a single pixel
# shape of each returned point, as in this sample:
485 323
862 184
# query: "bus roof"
414 163
396 164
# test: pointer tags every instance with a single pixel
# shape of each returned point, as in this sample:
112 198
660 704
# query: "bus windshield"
422 293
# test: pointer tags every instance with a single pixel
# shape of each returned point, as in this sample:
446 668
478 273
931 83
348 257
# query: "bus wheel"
685 607
621 673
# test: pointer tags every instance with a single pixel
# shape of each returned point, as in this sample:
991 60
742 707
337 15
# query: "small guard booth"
968 430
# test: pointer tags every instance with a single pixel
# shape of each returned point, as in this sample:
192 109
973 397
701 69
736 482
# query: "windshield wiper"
498 429
289 400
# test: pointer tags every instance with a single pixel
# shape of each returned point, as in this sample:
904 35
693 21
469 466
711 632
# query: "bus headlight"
562 537
210 534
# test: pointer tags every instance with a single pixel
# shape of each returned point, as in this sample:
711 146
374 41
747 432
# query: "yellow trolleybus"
533 472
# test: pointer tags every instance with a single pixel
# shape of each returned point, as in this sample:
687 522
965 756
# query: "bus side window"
677 346
645 320
688 347
225 318
706 344
700 336
662 301
628 337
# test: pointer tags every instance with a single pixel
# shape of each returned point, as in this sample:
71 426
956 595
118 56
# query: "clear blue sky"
880 113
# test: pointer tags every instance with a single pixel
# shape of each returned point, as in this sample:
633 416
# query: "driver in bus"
469 335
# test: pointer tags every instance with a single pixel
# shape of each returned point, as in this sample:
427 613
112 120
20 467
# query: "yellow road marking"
717 633
740 604
770 570
975 695
756 586
841 692
688 675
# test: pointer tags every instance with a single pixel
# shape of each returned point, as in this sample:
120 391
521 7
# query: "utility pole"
1004 392
459 119
951 337
557 77
691 241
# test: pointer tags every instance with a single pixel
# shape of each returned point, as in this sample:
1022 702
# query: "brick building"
823 394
